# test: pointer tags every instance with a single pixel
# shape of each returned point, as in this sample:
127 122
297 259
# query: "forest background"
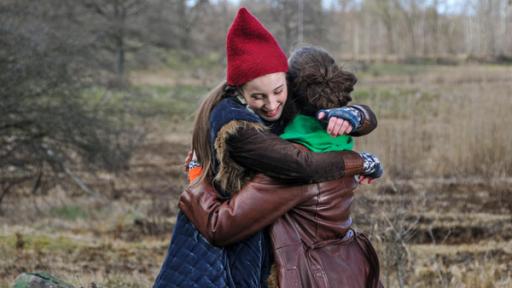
97 100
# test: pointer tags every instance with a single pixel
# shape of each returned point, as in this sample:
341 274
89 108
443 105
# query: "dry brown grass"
439 218
449 121
441 215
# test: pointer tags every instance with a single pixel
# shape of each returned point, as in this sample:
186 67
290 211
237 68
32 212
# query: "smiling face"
266 95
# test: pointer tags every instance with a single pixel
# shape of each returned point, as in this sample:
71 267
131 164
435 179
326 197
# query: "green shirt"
308 131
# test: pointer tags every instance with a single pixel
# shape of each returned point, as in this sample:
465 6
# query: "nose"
271 103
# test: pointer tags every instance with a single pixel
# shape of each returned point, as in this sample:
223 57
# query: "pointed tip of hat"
247 42
244 18
243 10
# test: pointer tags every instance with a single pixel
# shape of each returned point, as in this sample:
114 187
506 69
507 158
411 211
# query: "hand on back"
341 120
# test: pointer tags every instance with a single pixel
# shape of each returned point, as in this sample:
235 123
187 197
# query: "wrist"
371 165
353 163
353 115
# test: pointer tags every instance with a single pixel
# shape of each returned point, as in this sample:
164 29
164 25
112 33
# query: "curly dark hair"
317 82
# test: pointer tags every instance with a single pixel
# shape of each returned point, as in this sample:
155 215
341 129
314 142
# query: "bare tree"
384 10
117 26
188 15
49 130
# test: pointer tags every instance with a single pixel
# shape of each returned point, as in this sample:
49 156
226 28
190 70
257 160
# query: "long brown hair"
200 136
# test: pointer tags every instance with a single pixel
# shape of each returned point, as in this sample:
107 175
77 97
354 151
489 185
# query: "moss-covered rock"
39 280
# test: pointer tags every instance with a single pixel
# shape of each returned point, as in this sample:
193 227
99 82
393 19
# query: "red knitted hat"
251 50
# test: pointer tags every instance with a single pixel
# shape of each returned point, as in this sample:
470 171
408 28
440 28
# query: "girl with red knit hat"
235 136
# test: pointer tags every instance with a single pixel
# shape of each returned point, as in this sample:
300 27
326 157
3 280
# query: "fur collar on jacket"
227 118
231 176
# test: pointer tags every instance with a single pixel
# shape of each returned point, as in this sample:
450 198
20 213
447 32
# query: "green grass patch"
182 60
39 242
69 212
179 101
388 69
169 102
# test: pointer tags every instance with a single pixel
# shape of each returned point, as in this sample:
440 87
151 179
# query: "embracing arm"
360 118
265 152
256 206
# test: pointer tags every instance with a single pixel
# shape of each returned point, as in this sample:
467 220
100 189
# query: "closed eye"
279 89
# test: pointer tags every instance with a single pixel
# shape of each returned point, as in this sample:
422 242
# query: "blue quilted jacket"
191 261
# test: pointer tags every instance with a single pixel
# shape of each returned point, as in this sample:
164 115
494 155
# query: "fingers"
338 126
348 129
321 115
365 180
189 156
345 128
187 160
330 126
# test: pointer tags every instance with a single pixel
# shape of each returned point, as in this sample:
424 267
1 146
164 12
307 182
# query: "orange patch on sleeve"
194 173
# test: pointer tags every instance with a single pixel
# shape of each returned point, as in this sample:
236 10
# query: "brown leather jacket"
313 243
260 203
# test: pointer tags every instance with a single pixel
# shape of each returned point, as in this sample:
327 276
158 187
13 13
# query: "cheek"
254 104
283 96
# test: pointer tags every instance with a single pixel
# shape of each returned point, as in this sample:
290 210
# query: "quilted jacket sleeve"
256 206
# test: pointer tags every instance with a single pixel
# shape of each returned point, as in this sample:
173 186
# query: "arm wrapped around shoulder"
257 205
361 118
265 152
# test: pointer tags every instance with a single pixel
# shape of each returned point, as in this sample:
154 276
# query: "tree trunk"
120 57
435 28
120 16
508 29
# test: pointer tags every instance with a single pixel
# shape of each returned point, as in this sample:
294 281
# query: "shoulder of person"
228 110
